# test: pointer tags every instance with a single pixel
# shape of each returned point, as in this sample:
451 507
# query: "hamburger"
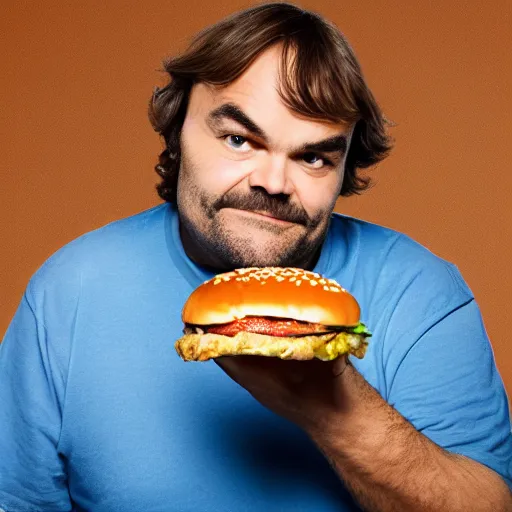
288 313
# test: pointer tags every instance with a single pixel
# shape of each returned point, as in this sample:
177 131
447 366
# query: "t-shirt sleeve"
447 385
32 384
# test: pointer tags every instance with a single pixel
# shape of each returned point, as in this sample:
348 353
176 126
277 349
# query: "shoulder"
95 254
377 240
403 288
394 262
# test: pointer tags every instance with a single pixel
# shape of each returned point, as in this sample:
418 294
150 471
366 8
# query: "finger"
340 365
230 366
251 370
243 369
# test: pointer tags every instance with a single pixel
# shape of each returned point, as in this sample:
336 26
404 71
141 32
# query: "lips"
264 215
267 214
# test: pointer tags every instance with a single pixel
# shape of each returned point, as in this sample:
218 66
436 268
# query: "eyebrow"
231 111
335 144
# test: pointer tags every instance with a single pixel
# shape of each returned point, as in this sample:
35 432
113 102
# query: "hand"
305 392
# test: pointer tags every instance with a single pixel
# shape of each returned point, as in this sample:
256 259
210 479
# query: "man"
266 120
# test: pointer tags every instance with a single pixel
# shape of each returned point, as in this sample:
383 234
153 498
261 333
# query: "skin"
386 464
222 176
383 460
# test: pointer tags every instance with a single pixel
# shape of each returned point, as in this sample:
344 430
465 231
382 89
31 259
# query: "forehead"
258 84
256 92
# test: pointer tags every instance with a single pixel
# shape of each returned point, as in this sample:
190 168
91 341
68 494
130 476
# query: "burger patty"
326 347
268 326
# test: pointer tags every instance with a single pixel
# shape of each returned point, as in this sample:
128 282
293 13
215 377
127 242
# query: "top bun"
271 291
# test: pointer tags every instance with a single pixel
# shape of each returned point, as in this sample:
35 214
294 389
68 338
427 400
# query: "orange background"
78 151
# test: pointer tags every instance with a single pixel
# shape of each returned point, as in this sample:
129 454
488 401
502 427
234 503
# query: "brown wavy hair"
323 81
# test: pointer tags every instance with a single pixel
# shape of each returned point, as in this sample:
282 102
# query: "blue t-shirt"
98 412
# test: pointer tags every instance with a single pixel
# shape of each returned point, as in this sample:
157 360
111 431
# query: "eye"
236 142
315 161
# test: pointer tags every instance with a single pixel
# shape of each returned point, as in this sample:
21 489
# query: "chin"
264 259
280 252
261 252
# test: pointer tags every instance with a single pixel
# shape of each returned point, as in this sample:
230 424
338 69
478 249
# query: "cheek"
210 170
222 174
318 195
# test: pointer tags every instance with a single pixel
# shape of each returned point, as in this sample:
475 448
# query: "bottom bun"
201 347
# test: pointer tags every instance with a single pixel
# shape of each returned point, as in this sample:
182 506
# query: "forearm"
389 466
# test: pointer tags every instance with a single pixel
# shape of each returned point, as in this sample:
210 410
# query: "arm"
32 476
389 466
454 403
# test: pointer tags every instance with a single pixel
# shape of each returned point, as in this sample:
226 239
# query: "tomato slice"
269 326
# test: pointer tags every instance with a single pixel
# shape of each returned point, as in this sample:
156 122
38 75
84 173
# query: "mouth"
264 216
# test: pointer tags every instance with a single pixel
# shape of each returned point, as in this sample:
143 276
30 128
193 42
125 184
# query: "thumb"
339 365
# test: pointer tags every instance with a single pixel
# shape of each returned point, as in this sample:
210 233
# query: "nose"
273 176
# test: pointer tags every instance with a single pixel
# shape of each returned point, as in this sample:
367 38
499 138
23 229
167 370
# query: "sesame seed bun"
271 292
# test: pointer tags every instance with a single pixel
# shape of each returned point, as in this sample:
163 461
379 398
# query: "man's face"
257 183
